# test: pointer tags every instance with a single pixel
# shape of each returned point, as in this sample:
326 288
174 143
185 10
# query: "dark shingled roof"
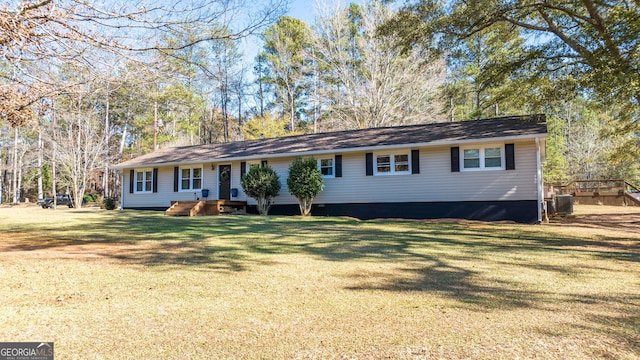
450 132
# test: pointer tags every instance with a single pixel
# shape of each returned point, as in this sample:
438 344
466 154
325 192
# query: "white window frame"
392 162
191 177
481 149
333 166
144 181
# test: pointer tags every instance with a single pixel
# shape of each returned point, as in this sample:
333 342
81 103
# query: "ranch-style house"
488 169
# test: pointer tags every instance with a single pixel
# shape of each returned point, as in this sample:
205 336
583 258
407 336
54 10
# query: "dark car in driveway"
61 200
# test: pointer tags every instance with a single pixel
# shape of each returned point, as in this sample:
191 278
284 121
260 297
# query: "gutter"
122 192
539 184
333 151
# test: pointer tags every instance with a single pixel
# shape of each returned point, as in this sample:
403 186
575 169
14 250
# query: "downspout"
122 192
539 180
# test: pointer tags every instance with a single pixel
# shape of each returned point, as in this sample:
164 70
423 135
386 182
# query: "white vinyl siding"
435 182
165 194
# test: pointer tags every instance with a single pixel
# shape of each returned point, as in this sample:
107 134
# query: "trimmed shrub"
263 184
89 198
305 182
109 203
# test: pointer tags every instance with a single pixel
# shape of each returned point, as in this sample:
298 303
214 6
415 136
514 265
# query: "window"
383 163
482 158
492 158
326 167
392 164
401 163
191 178
471 159
144 180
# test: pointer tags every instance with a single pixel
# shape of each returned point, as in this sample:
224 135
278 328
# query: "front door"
224 179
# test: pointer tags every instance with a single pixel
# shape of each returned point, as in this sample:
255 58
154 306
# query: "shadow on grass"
208 241
239 243
615 221
427 257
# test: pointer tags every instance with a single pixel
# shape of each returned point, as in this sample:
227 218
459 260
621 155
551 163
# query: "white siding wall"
435 182
165 193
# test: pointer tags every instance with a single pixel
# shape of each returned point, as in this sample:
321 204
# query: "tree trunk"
19 184
305 206
263 205
155 125
292 110
452 109
1 176
40 156
105 175
239 109
261 97
53 156
15 166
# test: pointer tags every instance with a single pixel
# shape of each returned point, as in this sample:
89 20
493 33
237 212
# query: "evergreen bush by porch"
263 184
305 182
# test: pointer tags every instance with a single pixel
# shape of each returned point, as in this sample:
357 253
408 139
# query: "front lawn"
133 285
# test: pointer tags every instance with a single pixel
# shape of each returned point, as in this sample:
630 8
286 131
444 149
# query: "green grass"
129 285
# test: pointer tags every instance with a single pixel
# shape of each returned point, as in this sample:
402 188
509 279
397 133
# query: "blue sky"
303 10
299 9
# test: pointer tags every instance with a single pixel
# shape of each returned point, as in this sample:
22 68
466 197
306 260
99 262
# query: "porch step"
206 207
185 208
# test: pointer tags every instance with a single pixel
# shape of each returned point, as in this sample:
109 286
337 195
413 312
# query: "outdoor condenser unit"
564 204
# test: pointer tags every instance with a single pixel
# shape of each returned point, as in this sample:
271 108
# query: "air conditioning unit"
564 204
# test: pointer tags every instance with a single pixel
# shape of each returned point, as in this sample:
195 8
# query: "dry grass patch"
122 285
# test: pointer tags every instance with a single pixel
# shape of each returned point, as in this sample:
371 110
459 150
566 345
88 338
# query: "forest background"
86 85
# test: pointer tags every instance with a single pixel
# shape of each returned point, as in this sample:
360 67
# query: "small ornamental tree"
263 184
305 182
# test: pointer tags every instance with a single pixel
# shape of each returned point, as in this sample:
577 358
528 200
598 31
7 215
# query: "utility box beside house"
564 204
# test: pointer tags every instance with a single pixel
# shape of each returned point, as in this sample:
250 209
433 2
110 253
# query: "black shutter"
176 173
264 163
155 180
510 156
369 160
415 161
455 159
243 169
132 174
338 165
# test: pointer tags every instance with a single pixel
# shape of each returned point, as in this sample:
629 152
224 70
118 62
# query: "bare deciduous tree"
64 32
80 150
367 82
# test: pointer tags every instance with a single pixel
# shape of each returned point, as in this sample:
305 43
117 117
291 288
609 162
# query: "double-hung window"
191 178
326 167
398 163
144 180
482 158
